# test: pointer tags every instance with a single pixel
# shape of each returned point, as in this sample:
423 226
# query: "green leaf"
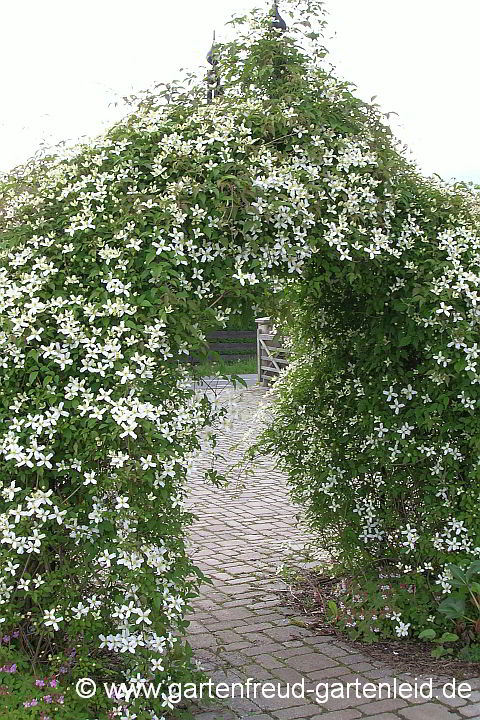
459 577
427 635
448 637
452 607
474 569
332 606
157 602
440 651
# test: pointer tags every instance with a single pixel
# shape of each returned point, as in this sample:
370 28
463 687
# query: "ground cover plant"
317 595
116 260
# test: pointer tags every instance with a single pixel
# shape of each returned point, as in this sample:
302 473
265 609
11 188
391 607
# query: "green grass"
236 367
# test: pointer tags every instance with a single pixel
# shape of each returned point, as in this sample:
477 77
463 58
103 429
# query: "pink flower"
9 668
31 703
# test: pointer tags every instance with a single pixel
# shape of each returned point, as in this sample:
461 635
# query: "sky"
70 62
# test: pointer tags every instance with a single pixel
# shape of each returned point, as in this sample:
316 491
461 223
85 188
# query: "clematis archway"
117 260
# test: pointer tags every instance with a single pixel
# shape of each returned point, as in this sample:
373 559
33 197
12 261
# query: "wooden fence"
271 356
230 345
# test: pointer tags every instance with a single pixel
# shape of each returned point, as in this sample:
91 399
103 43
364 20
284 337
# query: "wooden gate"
272 357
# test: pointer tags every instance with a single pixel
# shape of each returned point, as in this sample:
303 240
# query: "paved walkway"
215 383
241 629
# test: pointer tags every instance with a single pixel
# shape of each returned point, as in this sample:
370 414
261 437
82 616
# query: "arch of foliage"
116 259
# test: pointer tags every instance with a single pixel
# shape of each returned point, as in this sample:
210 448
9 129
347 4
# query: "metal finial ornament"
278 22
214 88
210 58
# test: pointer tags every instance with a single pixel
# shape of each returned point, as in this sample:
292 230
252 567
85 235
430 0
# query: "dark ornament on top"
214 88
278 22
210 56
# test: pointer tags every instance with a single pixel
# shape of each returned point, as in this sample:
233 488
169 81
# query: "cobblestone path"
240 629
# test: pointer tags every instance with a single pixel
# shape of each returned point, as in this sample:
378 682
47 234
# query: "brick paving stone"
335 672
471 711
311 662
196 627
294 643
275 618
245 629
360 667
268 661
236 658
257 672
233 613
259 649
296 713
382 716
429 711
338 715
288 674
203 640
339 703
454 702
240 627
226 625
237 646
289 632
226 715
354 677
280 702
291 652
244 704
383 706
318 639
335 651
229 636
